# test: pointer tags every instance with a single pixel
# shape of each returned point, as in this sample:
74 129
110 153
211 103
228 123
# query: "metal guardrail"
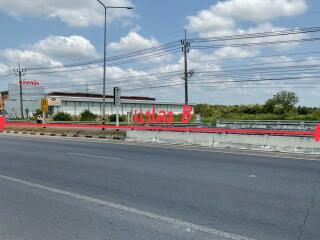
175 124
179 125
173 129
268 124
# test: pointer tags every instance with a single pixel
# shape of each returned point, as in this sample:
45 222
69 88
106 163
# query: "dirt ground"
69 132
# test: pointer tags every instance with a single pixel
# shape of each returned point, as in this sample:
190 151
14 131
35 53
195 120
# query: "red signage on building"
30 82
162 116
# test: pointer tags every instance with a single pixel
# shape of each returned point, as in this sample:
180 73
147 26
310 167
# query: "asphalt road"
66 189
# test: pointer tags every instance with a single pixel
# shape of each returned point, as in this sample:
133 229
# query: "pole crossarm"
105 6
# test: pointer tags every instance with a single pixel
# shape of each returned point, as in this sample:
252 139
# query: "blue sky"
54 33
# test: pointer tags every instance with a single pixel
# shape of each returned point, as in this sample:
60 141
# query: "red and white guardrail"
315 134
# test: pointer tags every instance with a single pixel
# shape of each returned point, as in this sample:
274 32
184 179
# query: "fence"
268 125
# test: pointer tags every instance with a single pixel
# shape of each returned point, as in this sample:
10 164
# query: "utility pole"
20 72
186 48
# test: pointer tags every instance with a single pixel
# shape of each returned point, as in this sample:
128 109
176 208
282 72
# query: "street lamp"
104 57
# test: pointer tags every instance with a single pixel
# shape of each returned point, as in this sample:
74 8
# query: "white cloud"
268 27
225 19
29 58
80 13
132 42
312 61
52 51
207 22
73 48
3 68
259 10
231 52
222 18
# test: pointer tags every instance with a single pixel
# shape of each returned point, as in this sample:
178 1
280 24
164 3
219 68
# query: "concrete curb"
263 143
62 135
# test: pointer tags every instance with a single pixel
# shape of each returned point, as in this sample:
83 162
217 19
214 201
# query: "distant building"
32 93
75 103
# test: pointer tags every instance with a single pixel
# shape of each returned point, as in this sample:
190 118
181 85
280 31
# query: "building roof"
94 95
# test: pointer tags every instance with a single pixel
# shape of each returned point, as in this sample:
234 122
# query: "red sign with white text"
161 117
30 82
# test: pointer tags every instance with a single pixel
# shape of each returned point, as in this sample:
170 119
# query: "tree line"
281 106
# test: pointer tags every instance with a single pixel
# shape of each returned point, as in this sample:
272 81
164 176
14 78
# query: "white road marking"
171 221
252 176
93 156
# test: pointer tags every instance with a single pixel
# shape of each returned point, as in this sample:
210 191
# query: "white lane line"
171 221
93 156
252 176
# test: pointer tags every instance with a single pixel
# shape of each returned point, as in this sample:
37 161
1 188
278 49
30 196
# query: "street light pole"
105 55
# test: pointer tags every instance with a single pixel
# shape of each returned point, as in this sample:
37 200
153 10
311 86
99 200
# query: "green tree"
113 117
204 110
87 116
278 109
285 98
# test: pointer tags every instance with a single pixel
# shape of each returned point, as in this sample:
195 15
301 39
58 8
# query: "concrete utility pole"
186 48
20 72
105 54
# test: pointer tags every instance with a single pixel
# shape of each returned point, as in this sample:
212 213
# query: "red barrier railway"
315 134
173 129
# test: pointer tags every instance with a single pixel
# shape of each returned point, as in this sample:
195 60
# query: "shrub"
113 118
62 116
87 116
38 112
303 110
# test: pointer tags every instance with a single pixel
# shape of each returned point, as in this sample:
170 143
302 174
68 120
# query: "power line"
171 45
256 44
153 51
256 57
258 35
260 80
261 69
87 68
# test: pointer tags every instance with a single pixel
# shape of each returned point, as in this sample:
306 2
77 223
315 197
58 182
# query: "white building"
76 103
32 93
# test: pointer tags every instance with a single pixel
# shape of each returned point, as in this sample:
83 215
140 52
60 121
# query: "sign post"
44 108
117 102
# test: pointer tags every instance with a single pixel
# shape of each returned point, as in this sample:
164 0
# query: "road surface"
68 189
